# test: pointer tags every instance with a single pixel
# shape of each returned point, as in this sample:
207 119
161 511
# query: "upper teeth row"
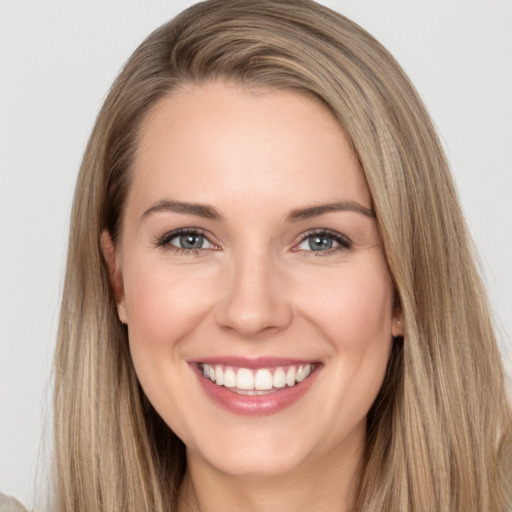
261 379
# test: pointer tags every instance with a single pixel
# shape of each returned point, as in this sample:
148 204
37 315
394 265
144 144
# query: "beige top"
8 504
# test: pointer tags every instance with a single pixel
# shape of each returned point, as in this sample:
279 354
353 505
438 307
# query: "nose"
256 299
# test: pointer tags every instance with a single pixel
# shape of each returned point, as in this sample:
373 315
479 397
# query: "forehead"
224 142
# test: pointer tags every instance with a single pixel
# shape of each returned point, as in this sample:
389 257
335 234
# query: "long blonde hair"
439 430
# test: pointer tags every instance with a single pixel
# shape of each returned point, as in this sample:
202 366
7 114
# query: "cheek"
355 318
162 305
163 310
354 309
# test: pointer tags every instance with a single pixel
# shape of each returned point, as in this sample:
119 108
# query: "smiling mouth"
253 382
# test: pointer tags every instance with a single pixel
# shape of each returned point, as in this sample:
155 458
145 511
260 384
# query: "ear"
116 278
397 326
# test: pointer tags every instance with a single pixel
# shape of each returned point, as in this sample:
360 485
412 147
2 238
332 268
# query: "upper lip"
253 362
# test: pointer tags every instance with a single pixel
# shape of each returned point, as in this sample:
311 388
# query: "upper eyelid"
323 231
169 235
344 243
166 237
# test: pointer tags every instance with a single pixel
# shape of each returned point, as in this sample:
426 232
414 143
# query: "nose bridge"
255 300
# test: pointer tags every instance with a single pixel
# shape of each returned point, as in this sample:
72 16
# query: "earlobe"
397 327
116 279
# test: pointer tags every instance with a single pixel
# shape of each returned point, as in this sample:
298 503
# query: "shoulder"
10 504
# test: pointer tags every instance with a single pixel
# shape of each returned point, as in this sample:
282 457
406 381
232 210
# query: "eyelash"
343 242
165 241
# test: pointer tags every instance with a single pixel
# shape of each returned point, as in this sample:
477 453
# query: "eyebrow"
314 211
201 210
297 215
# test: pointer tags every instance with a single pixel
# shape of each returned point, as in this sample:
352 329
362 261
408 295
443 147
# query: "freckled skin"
256 288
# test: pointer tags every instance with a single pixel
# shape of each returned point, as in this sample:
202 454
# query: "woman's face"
249 252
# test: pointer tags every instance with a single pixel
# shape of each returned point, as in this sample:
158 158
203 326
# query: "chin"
256 453
252 463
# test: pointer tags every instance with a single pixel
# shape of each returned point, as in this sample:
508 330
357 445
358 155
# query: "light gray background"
57 60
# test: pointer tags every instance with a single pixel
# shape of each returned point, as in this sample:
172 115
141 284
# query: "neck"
329 483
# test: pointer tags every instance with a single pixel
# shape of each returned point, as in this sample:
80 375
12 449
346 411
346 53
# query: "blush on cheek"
355 312
161 302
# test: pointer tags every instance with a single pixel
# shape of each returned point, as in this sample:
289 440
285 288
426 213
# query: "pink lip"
255 405
253 362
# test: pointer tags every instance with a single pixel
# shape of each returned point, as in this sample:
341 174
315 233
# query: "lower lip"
256 405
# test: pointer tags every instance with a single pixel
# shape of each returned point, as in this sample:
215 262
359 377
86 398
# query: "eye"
324 241
185 240
189 241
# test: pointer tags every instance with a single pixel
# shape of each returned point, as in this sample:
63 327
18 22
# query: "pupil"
191 241
320 243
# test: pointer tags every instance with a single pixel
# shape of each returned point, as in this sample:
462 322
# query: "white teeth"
219 375
244 379
290 376
279 378
230 378
303 372
251 381
263 380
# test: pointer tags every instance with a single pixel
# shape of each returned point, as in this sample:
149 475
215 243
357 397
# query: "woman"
270 300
